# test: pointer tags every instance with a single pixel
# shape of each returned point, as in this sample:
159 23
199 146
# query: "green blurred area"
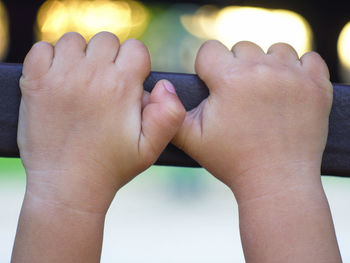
179 181
11 169
172 48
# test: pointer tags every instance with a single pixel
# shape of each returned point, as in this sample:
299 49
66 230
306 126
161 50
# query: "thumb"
190 134
162 117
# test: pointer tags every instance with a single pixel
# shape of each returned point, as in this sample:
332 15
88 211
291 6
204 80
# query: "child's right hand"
265 112
86 126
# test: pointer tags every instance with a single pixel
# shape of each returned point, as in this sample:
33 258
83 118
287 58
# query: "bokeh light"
344 46
202 23
4 34
259 25
123 18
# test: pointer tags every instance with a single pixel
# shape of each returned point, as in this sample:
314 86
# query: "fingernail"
169 86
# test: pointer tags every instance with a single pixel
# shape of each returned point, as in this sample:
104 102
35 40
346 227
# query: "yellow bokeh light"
344 46
139 19
259 25
4 34
123 18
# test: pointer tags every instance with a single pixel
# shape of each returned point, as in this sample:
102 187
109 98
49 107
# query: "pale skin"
262 131
86 128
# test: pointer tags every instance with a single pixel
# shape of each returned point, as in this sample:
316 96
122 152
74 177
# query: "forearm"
48 232
292 224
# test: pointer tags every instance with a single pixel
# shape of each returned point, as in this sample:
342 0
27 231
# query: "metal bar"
191 91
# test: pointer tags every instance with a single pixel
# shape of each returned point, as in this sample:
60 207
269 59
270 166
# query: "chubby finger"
134 59
103 47
38 60
161 119
314 64
247 50
284 52
211 59
69 48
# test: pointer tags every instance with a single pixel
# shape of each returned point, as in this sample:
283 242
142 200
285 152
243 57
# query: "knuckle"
271 81
135 44
312 54
40 49
209 46
282 45
42 45
264 72
107 36
313 57
211 43
245 43
282 49
314 60
208 53
72 37
23 83
138 49
38 61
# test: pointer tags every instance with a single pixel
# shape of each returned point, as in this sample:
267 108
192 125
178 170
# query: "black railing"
191 91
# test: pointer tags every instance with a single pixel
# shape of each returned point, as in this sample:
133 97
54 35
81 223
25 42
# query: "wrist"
298 215
66 234
65 190
42 202
35 205
269 180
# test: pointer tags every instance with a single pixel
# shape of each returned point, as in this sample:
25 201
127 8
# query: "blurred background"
176 214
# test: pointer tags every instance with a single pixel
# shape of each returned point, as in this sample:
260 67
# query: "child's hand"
265 111
86 126
262 131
